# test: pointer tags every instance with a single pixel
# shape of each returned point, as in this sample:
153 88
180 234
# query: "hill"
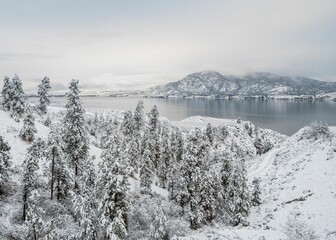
261 83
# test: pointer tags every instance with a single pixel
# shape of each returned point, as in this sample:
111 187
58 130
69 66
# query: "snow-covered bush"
317 130
297 229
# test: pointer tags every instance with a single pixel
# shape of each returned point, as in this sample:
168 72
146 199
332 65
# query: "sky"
133 44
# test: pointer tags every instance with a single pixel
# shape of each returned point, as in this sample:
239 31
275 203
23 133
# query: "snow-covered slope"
214 83
298 182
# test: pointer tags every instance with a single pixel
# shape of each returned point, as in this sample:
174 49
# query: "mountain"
260 83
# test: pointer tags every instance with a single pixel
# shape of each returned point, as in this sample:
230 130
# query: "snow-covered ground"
298 179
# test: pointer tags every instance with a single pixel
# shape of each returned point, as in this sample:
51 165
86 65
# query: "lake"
283 116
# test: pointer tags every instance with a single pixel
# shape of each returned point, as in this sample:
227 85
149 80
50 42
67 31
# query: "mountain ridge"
258 83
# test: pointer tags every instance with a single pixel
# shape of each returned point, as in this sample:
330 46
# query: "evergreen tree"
74 135
154 119
30 167
17 98
6 94
109 135
57 171
139 117
192 171
158 228
225 173
34 221
237 196
209 133
165 158
115 205
95 125
209 196
43 90
127 126
5 162
146 173
225 132
85 205
28 130
256 201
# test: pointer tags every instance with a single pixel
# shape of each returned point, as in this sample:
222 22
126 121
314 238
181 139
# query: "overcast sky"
135 44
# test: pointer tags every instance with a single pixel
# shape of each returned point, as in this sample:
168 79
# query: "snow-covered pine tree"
34 220
133 155
209 195
6 94
158 228
256 201
165 158
154 119
225 132
115 205
57 170
17 98
209 133
109 135
153 137
146 173
237 197
127 126
5 162
85 205
30 167
43 90
192 170
139 117
28 130
95 125
74 135
225 173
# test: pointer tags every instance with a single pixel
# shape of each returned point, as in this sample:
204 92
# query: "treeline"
95 202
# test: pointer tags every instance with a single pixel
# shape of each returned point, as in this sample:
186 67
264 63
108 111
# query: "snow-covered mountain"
261 83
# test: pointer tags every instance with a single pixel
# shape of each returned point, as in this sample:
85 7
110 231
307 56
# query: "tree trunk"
25 195
52 174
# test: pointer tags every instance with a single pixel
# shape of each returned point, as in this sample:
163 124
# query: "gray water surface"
283 116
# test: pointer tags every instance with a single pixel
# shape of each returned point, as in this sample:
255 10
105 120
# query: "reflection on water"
284 116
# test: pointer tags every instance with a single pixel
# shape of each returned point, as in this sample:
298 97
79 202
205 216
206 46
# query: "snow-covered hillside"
298 182
298 179
214 83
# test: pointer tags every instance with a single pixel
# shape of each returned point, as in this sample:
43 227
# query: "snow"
298 168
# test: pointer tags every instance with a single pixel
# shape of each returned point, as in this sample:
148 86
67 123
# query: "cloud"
151 43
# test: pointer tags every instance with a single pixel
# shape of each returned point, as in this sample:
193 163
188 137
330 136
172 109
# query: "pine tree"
17 98
115 205
209 195
139 117
5 162
225 173
165 158
30 167
154 119
158 228
237 196
256 201
127 126
209 133
192 170
85 205
28 130
146 173
57 171
34 221
43 90
75 137
6 94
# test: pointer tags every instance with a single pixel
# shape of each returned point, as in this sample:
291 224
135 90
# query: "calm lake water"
283 116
